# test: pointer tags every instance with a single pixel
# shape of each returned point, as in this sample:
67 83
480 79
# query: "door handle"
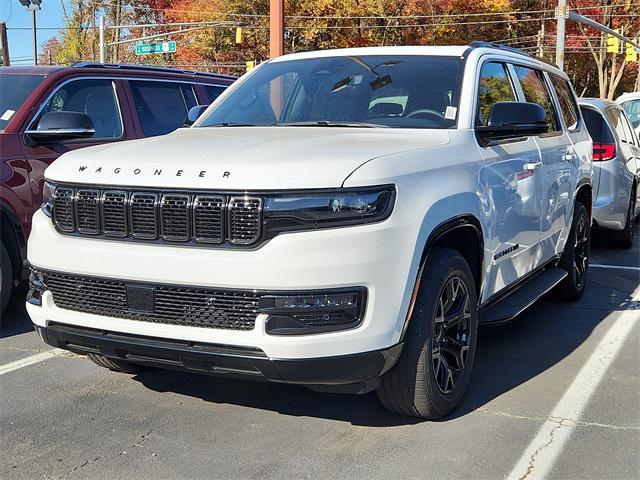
532 166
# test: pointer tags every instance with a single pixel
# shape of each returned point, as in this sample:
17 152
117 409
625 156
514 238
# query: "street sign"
151 48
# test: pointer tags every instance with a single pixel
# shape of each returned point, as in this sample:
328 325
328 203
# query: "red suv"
47 111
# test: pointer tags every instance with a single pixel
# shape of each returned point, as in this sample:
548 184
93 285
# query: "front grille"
185 217
190 306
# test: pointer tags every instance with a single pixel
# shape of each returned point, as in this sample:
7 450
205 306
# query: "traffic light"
631 55
250 65
613 43
238 34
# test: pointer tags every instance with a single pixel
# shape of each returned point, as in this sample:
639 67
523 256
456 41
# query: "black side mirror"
514 119
193 114
56 127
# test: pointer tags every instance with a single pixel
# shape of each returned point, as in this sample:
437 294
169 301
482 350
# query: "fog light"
37 287
303 313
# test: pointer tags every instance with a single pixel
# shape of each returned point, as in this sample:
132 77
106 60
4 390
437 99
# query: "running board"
526 295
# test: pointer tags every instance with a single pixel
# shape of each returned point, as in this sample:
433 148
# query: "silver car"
616 173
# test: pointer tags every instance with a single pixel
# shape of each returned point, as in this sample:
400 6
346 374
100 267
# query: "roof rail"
482 44
154 68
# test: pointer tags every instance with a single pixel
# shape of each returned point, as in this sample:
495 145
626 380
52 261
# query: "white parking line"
541 454
614 267
25 362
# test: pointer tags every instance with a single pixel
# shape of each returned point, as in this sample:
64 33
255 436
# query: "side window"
567 102
494 87
161 106
213 92
536 91
617 122
596 126
96 98
627 127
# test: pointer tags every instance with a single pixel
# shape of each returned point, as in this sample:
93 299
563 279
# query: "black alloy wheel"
451 335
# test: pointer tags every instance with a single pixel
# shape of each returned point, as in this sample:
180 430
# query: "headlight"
47 198
327 208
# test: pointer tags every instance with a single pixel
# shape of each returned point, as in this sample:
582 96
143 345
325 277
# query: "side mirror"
193 114
56 127
514 119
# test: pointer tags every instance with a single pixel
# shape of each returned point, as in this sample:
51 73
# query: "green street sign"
150 48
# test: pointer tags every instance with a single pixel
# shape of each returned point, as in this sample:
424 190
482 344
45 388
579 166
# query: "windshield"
368 91
632 108
15 90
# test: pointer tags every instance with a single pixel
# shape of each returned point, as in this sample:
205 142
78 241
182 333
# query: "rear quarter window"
597 127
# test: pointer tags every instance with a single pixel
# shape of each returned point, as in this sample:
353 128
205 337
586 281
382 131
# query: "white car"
340 219
631 104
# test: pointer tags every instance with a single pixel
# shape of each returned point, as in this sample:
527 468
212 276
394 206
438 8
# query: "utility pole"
276 28
102 47
33 6
4 44
561 17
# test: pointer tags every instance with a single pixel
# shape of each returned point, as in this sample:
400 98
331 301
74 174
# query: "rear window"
213 91
597 127
162 106
14 90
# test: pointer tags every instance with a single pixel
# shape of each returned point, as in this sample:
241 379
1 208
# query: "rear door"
161 105
559 165
629 149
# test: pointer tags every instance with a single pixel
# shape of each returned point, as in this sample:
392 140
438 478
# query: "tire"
624 238
575 258
419 384
114 364
6 278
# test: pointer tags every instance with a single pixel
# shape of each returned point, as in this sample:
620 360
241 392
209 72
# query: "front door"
99 99
511 180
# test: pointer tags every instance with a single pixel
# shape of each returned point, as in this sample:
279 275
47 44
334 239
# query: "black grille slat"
180 217
200 307
144 215
245 218
88 211
208 219
174 213
63 215
114 213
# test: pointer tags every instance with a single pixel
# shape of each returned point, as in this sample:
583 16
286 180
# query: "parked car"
122 102
631 104
616 172
341 219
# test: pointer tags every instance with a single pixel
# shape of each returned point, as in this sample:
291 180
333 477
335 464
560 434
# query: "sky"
48 19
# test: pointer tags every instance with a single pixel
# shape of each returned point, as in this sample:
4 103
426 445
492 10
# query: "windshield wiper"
233 124
326 123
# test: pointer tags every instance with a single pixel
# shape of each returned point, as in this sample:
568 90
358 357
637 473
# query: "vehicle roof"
93 68
598 103
628 96
445 51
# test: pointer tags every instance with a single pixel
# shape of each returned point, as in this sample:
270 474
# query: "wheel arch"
462 233
12 238
584 195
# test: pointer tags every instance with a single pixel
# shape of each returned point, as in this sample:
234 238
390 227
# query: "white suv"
340 219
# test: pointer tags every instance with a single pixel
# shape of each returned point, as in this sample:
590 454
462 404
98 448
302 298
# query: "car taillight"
603 151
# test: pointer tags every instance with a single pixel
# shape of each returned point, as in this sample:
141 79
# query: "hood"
239 158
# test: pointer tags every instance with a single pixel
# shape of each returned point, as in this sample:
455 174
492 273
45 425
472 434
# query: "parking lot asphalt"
554 394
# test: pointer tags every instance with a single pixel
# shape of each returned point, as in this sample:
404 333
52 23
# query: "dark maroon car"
112 103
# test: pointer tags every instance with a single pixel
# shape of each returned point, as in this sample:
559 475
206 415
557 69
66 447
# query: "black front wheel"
575 258
433 371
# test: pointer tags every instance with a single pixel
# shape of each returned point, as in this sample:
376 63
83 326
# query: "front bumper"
359 373
380 257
